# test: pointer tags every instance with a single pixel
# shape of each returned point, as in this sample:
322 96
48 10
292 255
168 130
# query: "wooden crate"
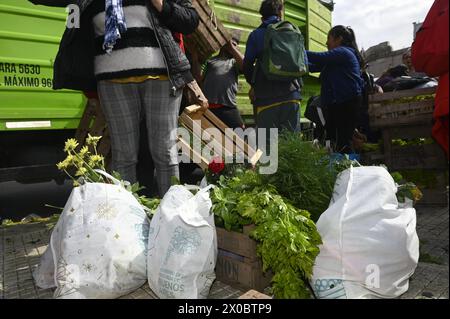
210 35
237 261
435 191
393 109
228 143
93 122
399 115
253 294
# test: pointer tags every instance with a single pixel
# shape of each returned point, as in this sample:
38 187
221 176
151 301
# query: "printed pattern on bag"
329 289
170 283
106 211
183 242
142 231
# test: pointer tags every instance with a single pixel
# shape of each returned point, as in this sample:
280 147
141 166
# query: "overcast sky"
376 21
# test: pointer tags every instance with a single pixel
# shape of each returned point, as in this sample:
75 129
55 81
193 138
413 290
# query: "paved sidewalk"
431 278
21 247
20 250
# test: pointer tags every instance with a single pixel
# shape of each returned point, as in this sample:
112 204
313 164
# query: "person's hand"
231 46
197 95
158 4
251 95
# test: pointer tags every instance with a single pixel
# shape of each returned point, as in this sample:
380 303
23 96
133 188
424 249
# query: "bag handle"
198 188
108 176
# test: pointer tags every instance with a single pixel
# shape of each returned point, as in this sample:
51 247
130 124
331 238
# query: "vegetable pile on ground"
284 207
306 174
287 238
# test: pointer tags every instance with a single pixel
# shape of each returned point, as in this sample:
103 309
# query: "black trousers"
341 123
229 115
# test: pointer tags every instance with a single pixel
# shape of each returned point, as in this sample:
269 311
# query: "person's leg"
161 112
289 117
121 105
346 123
265 120
330 125
230 116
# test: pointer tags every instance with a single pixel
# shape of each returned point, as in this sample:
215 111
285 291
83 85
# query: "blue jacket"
266 92
340 74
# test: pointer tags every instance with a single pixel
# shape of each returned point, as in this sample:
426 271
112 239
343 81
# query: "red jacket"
430 54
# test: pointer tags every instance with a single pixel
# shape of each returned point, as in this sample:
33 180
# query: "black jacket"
74 63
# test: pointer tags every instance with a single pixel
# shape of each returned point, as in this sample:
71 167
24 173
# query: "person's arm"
196 68
178 17
53 3
313 68
320 59
233 49
250 58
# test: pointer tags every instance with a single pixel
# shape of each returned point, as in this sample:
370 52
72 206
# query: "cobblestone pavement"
21 247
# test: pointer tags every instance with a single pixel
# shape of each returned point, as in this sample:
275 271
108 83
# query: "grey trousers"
124 106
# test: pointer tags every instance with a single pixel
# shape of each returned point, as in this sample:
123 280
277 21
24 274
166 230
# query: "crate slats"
210 35
398 118
198 122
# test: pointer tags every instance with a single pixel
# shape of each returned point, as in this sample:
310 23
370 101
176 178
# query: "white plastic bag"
98 247
182 245
370 245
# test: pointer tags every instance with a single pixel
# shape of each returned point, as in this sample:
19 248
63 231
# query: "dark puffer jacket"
74 63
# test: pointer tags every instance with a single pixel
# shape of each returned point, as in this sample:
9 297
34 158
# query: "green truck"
36 120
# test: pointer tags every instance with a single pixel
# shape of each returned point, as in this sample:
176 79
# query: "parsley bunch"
288 241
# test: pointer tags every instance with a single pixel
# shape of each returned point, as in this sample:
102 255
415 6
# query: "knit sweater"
136 53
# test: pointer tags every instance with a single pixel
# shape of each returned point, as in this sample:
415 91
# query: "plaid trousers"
124 106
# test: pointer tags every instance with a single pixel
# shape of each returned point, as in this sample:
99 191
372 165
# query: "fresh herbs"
306 174
288 238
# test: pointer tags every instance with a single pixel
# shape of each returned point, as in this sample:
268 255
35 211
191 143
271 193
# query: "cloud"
381 20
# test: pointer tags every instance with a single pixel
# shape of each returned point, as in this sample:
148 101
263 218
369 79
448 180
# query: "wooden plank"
416 107
189 122
84 126
236 140
207 124
400 94
411 113
230 269
418 157
253 294
387 143
210 35
237 243
401 121
410 132
231 136
194 155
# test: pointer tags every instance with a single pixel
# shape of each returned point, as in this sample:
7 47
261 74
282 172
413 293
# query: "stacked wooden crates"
408 115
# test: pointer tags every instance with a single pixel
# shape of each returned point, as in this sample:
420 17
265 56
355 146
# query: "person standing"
219 81
276 102
342 85
130 51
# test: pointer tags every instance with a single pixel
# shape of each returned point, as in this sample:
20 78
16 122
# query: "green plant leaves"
287 238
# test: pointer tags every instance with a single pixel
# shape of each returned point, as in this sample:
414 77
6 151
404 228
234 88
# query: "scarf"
115 24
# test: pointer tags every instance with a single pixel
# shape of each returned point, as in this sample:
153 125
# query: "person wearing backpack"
275 89
342 85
